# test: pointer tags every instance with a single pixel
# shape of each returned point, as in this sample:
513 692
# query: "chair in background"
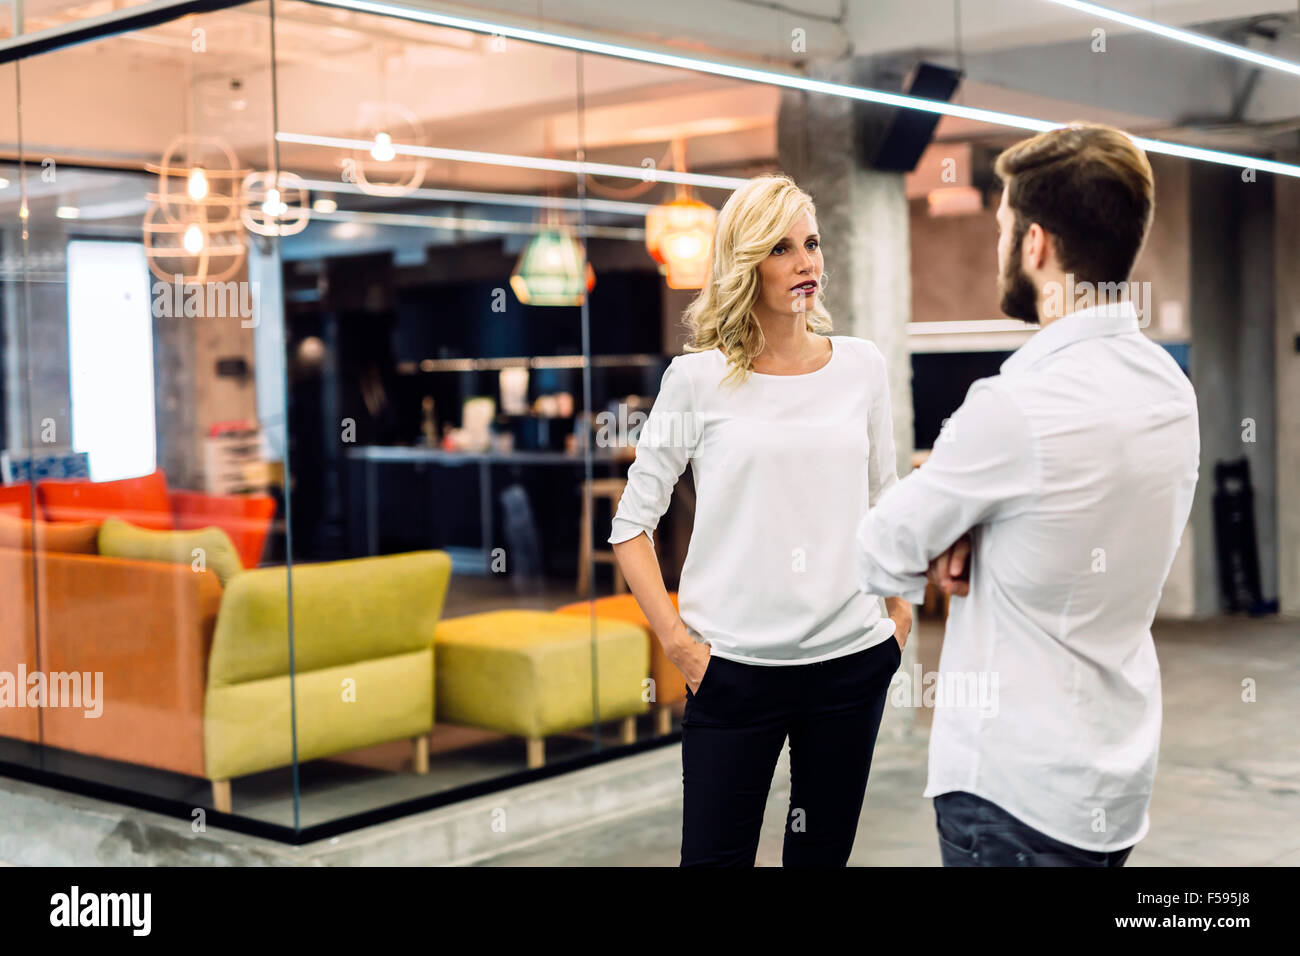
611 490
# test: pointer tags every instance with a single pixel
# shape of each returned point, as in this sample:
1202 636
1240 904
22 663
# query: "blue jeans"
975 832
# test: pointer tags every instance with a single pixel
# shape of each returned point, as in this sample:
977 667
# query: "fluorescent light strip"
788 80
455 223
618 207
522 162
1183 36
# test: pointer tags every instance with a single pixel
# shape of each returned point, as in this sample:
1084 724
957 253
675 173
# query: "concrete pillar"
1287 278
862 216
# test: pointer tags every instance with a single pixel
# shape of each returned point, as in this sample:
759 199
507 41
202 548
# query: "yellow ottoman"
670 686
529 673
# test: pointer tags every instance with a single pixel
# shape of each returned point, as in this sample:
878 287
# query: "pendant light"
275 204
679 234
553 268
379 170
192 228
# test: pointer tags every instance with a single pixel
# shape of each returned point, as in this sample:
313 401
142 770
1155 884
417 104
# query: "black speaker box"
906 133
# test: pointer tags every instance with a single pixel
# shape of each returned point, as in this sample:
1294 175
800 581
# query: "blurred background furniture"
669 684
530 674
606 489
363 663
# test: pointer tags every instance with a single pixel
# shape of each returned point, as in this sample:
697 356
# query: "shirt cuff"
623 530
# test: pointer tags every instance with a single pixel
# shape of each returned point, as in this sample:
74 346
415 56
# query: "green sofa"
362 663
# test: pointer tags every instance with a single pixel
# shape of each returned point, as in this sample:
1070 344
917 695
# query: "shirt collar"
1112 318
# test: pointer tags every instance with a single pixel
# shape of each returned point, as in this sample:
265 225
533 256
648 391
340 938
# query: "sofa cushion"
250 727
119 539
142 501
65 537
16 500
343 612
246 518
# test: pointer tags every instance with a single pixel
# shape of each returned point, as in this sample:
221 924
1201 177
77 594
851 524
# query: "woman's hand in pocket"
691 658
900 612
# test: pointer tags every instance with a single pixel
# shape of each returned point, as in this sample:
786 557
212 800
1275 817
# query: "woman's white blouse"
784 467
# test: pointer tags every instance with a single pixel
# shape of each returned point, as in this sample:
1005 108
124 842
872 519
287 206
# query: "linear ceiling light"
616 206
466 224
771 78
523 162
1183 36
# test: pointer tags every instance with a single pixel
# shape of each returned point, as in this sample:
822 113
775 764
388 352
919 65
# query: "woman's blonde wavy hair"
752 221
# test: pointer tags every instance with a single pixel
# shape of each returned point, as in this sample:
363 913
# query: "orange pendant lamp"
679 234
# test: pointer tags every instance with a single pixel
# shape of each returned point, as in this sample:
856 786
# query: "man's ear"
1037 246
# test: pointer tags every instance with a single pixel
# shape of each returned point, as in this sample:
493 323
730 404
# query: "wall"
955 264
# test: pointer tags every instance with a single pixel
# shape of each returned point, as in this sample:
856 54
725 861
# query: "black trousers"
977 832
732 734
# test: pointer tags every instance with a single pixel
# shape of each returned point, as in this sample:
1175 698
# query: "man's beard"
1019 297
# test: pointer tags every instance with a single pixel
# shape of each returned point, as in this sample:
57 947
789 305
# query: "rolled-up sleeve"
882 464
664 446
982 469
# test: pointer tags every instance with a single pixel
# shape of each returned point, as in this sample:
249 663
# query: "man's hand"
950 571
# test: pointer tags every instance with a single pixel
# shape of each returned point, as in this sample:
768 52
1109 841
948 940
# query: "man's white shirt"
1074 470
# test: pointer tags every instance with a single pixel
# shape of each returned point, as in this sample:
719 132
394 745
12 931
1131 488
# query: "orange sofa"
148 624
148 502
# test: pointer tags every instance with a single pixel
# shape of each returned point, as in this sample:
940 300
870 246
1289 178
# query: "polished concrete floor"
1227 788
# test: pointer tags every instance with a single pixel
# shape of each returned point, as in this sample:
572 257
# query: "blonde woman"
788 431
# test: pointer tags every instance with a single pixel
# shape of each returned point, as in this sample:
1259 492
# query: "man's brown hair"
1091 188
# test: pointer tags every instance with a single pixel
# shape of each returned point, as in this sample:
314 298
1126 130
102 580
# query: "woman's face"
791 274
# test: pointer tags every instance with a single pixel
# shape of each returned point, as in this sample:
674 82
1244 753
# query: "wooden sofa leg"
663 719
422 754
629 730
221 796
536 752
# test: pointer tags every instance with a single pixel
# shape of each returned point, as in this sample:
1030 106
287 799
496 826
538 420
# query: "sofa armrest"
17 637
246 518
360 609
147 628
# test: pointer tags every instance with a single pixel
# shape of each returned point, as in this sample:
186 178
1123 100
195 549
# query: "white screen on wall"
110 351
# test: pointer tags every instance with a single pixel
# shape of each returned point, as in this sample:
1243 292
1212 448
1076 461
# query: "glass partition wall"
323 365
133 417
